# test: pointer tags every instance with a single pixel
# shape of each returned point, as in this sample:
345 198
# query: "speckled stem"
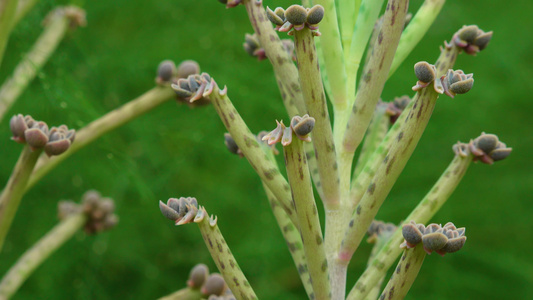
445 61
306 210
374 77
8 10
103 125
425 210
53 33
284 68
293 239
376 289
330 41
37 254
388 172
315 102
313 168
267 170
405 274
415 31
377 130
226 263
368 14
184 294
15 188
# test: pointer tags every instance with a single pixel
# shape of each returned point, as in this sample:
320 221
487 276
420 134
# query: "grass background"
176 151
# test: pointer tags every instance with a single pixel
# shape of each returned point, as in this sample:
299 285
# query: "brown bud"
187 68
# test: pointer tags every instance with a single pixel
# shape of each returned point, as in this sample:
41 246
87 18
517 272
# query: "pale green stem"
103 125
315 101
416 29
405 274
306 210
377 130
267 170
368 14
313 168
424 211
15 188
223 258
330 41
184 294
37 254
23 7
374 77
284 68
388 172
25 72
8 10
347 18
380 241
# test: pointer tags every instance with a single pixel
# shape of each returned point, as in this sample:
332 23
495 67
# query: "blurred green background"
177 151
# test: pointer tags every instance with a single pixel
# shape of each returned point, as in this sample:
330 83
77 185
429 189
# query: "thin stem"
267 171
8 10
37 254
284 68
25 72
184 294
315 102
103 125
424 211
374 77
330 41
23 7
221 254
415 31
405 274
380 241
306 210
15 188
347 18
377 130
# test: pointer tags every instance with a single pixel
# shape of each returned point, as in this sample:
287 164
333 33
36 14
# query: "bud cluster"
253 47
471 39
395 108
99 210
454 82
300 126
434 237
36 134
297 17
167 72
379 229
181 211
487 148
192 88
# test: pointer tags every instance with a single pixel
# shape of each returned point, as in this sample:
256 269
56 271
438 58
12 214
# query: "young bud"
471 39
165 71
198 276
181 211
277 16
296 14
457 82
487 148
37 135
315 14
60 140
187 68
302 126
231 144
426 73
214 285
412 235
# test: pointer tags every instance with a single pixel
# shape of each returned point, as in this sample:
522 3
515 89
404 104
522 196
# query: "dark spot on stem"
359 209
389 166
371 188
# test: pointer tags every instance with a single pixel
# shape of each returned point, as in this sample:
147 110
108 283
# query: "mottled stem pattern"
37 254
373 81
284 68
247 142
405 274
424 211
226 263
415 31
103 125
306 210
15 188
55 30
315 101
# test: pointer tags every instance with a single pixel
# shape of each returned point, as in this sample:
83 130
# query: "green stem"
221 254
374 77
55 30
416 29
424 211
315 102
102 125
377 130
284 68
368 14
23 7
8 10
15 188
37 254
267 170
380 241
306 210
184 294
330 41
405 274
347 18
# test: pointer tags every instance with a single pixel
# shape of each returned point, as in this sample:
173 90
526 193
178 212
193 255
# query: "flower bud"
214 285
181 211
198 276
187 68
277 16
457 82
37 135
296 14
426 73
412 234
60 139
302 126
487 148
315 14
165 71
472 39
